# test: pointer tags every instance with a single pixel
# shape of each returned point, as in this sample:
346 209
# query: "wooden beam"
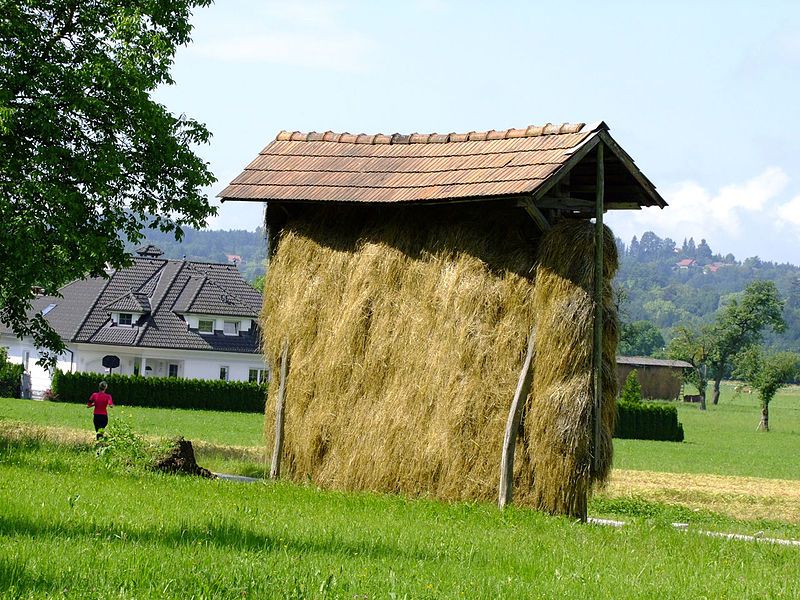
565 203
626 160
277 451
512 425
598 303
535 214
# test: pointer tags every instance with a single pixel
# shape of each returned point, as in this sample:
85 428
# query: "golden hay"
406 337
558 427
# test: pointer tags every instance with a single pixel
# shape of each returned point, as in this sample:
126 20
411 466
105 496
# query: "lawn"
69 527
226 428
723 440
720 441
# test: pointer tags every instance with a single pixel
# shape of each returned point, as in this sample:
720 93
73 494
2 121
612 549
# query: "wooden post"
512 425
598 302
275 469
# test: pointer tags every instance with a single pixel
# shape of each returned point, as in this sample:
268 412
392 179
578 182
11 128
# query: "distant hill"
215 246
668 284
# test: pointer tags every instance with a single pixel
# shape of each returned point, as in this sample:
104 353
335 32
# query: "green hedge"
163 392
648 421
10 380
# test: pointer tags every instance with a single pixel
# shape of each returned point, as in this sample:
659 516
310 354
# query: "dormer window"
205 326
126 319
231 328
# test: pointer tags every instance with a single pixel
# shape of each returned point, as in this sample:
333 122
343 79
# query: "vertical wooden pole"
275 469
598 302
512 425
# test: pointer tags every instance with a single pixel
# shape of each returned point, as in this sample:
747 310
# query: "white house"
159 317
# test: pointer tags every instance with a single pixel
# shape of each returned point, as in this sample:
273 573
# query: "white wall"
88 358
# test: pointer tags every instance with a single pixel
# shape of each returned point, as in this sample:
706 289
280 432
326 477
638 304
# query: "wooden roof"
342 167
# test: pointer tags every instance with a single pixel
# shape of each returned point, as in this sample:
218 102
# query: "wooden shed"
660 379
437 303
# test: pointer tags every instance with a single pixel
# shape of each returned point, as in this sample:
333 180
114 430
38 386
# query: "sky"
704 95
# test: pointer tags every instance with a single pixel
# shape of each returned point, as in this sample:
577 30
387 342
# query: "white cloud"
790 212
748 218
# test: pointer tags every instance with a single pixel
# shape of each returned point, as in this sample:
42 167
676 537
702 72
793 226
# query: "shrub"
648 421
163 392
632 389
10 377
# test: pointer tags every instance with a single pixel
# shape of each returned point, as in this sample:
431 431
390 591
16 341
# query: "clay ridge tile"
430 138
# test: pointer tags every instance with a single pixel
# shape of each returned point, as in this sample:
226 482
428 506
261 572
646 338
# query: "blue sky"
704 95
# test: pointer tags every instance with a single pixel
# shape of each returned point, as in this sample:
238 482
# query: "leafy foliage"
163 392
766 372
10 374
640 338
85 152
632 390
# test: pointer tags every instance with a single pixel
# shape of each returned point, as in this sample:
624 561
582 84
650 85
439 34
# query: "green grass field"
721 441
70 528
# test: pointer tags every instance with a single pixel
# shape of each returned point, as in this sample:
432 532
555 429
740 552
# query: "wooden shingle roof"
342 167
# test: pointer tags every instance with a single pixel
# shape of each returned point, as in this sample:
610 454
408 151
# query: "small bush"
648 421
163 392
632 390
10 377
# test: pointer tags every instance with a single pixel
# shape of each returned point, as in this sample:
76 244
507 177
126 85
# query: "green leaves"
85 152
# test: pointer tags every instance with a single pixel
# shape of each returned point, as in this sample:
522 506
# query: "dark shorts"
100 421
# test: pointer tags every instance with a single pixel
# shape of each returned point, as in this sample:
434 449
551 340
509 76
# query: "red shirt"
100 400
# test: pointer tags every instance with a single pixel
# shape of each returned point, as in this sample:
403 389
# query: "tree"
85 152
767 373
740 323
640 338
631 389
693 345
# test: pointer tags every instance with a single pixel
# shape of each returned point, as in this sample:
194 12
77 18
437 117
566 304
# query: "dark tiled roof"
130 302
405 168
167 288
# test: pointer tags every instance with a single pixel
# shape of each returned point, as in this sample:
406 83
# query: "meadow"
70 527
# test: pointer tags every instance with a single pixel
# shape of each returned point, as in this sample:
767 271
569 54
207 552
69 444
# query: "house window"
231 328
173 371
223 373
257 376
126 319
205 326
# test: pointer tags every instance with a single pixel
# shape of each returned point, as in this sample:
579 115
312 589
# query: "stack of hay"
406 336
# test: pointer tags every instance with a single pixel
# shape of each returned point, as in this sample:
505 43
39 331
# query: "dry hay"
406 338
559 424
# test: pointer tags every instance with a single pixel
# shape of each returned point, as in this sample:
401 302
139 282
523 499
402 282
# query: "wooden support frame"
277 451
535 214
598 303
512 425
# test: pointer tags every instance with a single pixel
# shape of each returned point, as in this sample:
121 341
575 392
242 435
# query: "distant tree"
767 373
633 249
258 283
740 324
704 251
86 153
640 338
631 389
694 345
691 249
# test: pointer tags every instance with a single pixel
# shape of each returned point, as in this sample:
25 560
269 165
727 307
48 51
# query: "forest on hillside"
670 284
659 282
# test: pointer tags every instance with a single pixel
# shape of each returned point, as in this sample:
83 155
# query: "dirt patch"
748 498
180 459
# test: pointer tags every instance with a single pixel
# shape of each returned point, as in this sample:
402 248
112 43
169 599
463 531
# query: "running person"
101 401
